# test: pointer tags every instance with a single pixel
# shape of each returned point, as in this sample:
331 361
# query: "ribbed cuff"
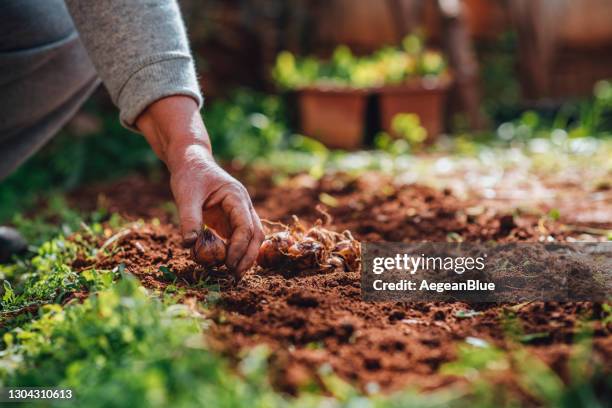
173 76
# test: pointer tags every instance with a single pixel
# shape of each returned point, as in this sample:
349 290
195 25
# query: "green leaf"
328 200
554 214
527 338
9 294
167 273
465 314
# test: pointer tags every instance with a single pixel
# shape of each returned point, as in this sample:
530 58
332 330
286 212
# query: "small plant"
387 66
247 125
574 120
411 135
408 126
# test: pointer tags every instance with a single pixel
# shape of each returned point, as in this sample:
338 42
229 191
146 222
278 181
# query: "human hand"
203 191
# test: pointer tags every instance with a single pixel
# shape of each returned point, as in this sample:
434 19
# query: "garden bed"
310 321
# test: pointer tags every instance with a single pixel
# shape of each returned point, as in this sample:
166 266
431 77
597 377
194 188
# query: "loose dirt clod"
209 249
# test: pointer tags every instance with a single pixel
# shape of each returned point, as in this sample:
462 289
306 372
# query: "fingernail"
238 276
189 238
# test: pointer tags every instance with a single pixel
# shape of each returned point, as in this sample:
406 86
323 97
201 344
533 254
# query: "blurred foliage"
123 348
389 65
72 159
48 276
411 135
253 127
246 125
57 216
487 368
500 85
574 120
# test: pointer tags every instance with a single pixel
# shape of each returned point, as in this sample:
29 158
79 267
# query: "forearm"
140 50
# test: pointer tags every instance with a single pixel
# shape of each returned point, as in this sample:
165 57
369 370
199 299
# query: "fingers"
191 222
247 232
226 206
189 204
237 211
253 249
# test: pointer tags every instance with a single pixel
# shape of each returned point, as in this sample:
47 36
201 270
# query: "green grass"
122 348
484 365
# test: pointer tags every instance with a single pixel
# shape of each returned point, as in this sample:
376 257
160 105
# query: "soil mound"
314 319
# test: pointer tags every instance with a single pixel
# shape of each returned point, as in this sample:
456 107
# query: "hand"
203 191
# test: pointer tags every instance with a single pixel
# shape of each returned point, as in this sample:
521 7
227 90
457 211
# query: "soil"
308 321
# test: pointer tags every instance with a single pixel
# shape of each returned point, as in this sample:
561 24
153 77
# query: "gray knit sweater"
140 50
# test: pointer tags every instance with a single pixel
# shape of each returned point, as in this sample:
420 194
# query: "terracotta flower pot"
426 99
487 19
334 116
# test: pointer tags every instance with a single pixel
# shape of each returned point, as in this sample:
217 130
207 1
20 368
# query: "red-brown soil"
308 321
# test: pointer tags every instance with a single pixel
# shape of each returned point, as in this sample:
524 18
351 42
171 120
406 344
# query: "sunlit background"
397 74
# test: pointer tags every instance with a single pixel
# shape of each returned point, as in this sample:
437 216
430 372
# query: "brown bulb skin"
323 237
307 254
350 252
273 251
209 249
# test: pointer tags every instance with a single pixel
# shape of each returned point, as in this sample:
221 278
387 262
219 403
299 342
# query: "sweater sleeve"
140 50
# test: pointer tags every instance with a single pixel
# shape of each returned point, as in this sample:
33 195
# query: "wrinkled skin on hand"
203 191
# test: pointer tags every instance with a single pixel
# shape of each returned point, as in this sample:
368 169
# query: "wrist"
174 128
187 153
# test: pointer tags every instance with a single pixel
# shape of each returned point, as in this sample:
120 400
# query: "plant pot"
423 98
334 116
486 19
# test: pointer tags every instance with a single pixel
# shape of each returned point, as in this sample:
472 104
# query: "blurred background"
405 77
543 58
